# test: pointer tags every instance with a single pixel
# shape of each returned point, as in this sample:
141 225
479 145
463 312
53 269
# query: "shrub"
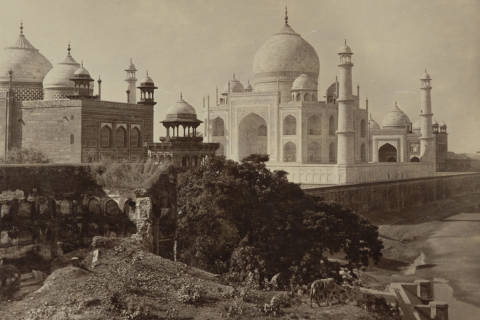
189 293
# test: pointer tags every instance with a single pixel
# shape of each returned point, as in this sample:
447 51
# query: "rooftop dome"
147 81
285 54
373 125
26 62
332 89
181 111
62 72
81 72
233 85
345 48
249 87
395 118
304 82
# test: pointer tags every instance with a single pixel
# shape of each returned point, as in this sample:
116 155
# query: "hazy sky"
192 46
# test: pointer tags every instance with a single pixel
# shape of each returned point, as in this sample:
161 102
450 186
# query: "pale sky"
194 45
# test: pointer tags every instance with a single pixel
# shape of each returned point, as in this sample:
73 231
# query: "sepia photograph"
248 159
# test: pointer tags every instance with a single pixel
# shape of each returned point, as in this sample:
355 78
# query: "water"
457 310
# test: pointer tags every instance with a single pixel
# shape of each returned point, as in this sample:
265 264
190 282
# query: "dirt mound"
119 280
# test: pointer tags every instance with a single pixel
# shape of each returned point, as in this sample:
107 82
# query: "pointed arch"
314 152
314 125
332 126
387 153
105 137
135 138
363 128
252 136
414 159
121 137
306 97
289 152
289 125
218 127
332 153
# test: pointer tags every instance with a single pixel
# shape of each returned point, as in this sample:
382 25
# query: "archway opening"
387 153
415 159
252 134
289 152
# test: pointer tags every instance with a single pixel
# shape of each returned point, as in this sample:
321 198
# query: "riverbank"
439 242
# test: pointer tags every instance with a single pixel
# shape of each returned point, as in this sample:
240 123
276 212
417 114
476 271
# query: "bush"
189 293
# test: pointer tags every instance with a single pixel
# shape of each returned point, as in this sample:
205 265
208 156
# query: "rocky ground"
117 279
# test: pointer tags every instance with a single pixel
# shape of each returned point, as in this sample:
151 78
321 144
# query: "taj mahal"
282 113
331 141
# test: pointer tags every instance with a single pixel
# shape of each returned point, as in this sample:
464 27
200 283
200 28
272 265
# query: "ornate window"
262 131
314 152
105 137
135 138
332 153
289 125
314 125
289 152
218 127
121 137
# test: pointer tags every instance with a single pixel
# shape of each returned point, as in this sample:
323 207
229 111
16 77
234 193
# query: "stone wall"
50 209
397 195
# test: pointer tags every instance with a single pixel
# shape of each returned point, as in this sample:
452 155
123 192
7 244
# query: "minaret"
427 151
132 83
345 132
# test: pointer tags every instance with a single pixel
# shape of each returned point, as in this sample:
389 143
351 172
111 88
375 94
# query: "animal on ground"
323 290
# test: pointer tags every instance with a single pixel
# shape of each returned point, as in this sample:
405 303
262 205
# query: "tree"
243 208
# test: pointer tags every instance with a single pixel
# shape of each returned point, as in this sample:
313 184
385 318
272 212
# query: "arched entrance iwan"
387 153
252 136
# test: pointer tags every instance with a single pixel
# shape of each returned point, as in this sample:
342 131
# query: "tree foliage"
244 217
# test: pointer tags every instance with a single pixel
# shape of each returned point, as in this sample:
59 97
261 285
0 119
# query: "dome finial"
286 15
147 73
21 27
234 76
69 48
181 96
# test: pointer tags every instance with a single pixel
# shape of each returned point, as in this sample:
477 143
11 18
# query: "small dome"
435 123
443 124
373 125
396 118
61 74
147 81
131 67
332 90
234 85
82 72
304 82
181 111
345 48
249 87
26 62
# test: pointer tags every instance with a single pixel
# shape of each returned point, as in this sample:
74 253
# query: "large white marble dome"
285 56
26 62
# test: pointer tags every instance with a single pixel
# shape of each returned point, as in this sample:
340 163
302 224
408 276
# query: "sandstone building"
53 109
